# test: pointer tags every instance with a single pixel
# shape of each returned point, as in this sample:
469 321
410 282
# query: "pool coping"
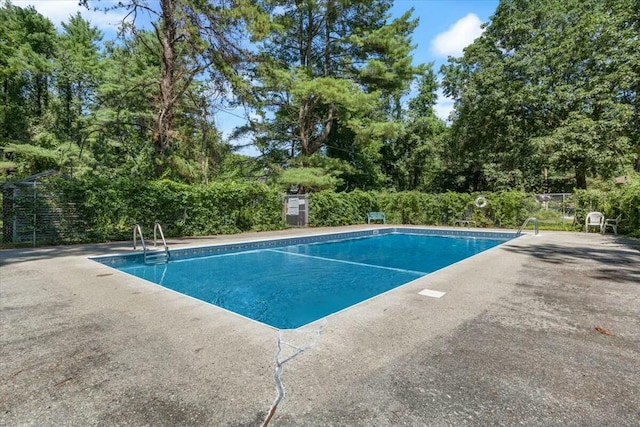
535 331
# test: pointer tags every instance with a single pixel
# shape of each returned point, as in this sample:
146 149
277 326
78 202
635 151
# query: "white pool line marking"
431 293
421 273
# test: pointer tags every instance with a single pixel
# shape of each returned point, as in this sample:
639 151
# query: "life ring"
481 202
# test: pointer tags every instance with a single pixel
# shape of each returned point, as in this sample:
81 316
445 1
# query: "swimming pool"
288 283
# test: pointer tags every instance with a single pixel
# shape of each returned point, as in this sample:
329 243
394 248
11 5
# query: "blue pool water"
289 286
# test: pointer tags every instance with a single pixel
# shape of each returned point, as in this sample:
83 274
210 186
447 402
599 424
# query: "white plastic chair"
613 223
594 219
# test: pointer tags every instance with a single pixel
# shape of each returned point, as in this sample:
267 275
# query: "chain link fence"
33 212
555 210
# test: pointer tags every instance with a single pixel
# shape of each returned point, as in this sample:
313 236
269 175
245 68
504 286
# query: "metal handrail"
157 227
139 230
535 225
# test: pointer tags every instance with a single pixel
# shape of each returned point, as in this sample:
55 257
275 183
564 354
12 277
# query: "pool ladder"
535 226
154 256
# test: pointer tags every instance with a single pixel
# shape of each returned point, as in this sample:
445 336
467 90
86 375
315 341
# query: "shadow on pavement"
616 264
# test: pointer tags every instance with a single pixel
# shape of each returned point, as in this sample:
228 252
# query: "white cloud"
457 37
59 11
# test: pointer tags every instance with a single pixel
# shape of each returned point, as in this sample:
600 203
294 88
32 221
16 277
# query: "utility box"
296 210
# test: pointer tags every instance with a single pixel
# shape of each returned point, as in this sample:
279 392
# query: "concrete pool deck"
538 331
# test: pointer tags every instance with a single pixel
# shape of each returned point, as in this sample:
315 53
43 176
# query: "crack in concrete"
280 364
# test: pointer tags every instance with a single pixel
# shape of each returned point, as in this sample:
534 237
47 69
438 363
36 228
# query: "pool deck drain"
515 341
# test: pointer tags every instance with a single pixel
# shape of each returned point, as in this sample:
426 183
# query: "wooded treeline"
545 100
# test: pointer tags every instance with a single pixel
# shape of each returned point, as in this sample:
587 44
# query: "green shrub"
626 201
109 208
511 208
586 201
329 209
623 200
407 207
454 206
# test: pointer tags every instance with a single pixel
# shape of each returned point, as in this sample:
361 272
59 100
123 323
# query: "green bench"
376 216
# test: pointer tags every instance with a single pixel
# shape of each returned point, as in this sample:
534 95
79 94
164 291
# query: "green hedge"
109 208
624 200
506 209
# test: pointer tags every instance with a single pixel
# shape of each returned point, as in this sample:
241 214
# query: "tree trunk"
166 108
5 104
581 179
38 84
310 140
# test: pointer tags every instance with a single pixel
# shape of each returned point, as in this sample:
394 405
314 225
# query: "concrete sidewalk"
539 331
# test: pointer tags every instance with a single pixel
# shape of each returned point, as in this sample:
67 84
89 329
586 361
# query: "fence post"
35 212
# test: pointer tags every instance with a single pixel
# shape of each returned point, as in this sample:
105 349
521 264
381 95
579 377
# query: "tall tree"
413 160
78 74
328 72
194 40
126 96
547 86
26 61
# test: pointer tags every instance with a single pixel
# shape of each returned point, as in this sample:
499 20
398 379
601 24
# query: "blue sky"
445 28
